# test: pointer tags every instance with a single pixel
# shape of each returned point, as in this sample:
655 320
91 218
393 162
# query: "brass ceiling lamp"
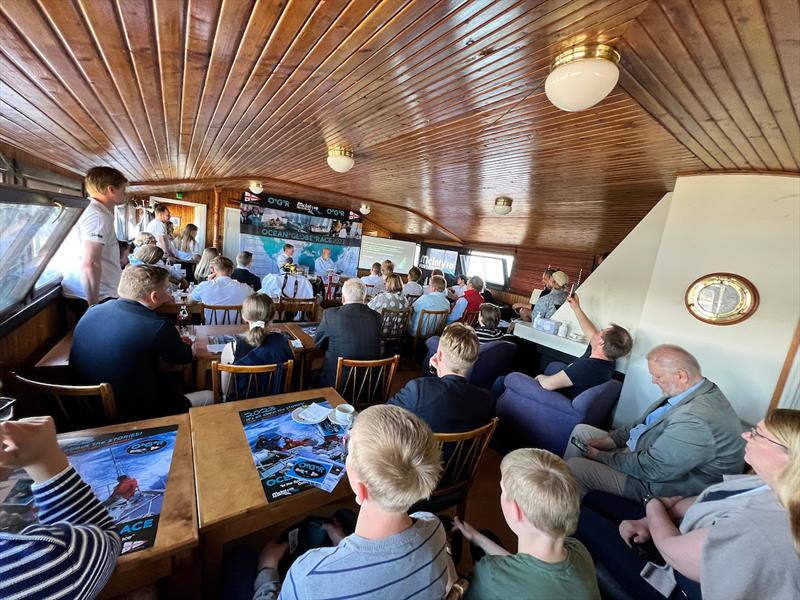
340 158
582 76
502 205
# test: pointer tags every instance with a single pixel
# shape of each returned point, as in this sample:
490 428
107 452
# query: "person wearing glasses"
687 440
737 539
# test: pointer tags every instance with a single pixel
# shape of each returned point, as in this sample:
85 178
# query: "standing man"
158 227
285 256
93 275
324 263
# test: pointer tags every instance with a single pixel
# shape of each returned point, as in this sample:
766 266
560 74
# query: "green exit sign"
179 195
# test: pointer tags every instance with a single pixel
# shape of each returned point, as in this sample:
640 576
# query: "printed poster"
127 471
291 457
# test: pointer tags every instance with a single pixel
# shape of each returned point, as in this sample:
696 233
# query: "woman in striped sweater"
72 551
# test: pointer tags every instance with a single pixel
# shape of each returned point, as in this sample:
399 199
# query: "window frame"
496 255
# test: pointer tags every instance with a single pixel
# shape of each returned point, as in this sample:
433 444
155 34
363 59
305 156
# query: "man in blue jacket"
448 403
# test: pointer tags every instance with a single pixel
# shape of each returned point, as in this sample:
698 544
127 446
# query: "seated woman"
153 255
738 539
547 305
392 298
186 247
144 238
203 269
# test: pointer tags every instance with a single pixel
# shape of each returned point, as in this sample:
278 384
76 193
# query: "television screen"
375 249
438 258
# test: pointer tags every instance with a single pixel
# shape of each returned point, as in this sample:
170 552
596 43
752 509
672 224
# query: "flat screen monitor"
439 258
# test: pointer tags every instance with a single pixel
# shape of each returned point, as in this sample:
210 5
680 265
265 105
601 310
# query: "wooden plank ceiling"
442 100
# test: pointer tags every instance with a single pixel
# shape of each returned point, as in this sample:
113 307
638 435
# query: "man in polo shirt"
89 258
158 227
220 289
434 300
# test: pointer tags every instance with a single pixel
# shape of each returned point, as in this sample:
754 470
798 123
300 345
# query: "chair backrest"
249 381
222 314
463 453
288 308
458 590
394 322
495 359
470 317
411 298
75 406
365 382
431 322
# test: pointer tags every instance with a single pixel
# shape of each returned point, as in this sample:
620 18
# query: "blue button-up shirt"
654 416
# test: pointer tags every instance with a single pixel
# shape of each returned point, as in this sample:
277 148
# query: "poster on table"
127 471
291 457
268 222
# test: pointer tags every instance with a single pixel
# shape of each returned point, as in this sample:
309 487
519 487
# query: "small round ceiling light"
256 187
502 205
582 76
340 158
365 209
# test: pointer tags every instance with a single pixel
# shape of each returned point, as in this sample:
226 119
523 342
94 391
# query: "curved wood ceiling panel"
442 101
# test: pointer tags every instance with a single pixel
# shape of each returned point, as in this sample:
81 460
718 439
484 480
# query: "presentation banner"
324 238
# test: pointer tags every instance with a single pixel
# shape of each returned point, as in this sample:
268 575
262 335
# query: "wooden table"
58 356
172 308
177 535
310 348
230 498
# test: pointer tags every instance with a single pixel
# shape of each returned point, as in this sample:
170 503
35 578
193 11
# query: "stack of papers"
314 412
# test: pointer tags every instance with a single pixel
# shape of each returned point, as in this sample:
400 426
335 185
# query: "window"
32 226
493 268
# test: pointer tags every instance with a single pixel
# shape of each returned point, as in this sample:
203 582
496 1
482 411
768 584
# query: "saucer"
332 418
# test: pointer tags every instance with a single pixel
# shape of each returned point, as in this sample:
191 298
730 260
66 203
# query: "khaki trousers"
591 474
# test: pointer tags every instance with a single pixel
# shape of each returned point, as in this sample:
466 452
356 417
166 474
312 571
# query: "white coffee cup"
344 414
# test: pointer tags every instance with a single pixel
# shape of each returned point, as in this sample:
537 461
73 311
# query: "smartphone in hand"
579 444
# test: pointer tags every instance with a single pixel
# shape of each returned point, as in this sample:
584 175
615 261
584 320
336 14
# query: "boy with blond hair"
540 503
393 462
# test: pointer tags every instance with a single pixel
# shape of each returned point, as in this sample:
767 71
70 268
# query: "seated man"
374 276
122 341
433 300
687 440
324 263
393 462
469 301
350 331
541 505
72 551
220 290
412 286
242 272
597 364
447 402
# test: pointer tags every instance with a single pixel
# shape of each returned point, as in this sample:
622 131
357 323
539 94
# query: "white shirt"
221 290
282 258
96 224
458 290
323 265
372 279
412 288
157 227
272 285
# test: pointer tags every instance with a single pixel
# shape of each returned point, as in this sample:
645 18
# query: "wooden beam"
787 367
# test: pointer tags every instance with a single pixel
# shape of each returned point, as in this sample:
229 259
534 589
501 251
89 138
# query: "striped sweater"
71 553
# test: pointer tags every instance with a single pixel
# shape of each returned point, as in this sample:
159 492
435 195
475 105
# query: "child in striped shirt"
72 551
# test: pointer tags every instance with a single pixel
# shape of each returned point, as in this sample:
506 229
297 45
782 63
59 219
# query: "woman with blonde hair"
186 243
737 539
391 298
203 269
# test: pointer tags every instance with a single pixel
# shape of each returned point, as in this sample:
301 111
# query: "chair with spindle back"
249 381
431 322
363 383
458 589
394 322
370 288
470 318
462 454
222 314
411 298
78 406
287 308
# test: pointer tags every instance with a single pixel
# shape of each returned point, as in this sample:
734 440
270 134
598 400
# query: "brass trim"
503 201
582 52
745 307
340 151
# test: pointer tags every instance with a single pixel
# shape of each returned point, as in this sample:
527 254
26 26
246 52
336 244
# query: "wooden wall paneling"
530 264
27 343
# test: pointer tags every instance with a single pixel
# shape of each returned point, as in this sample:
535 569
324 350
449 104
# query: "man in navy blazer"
448 403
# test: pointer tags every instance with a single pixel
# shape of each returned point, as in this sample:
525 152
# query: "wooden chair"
462 454
394 322
365 382
459 589
411 298
431 322
370 289
222 314
288 308
470 318
77 404
259 380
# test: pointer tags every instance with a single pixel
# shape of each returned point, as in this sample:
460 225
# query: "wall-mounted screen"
439 258
375 249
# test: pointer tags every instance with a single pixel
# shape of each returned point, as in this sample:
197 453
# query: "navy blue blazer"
448 404
246 276
121 342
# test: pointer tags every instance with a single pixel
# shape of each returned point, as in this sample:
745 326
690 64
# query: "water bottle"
183 318
536 320
563 329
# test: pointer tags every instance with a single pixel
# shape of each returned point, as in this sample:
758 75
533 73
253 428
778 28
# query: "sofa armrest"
528 388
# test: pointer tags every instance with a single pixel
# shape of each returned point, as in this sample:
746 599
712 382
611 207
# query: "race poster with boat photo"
291 457
268 222
127 471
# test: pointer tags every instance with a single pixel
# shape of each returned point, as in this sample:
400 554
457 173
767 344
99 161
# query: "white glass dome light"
582 76
502 205
340 158
256 187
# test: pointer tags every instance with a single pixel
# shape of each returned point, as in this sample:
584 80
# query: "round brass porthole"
721 299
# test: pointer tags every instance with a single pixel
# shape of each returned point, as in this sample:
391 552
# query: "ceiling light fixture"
502 205
582 76
340 158
365 209
256 187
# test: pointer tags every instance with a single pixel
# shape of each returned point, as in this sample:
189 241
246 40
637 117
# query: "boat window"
492 267
33 224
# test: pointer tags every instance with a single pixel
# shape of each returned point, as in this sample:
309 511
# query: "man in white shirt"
288 285
387 268
324 263
412 287
285 256
93 275
220 289
158 227
374 276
